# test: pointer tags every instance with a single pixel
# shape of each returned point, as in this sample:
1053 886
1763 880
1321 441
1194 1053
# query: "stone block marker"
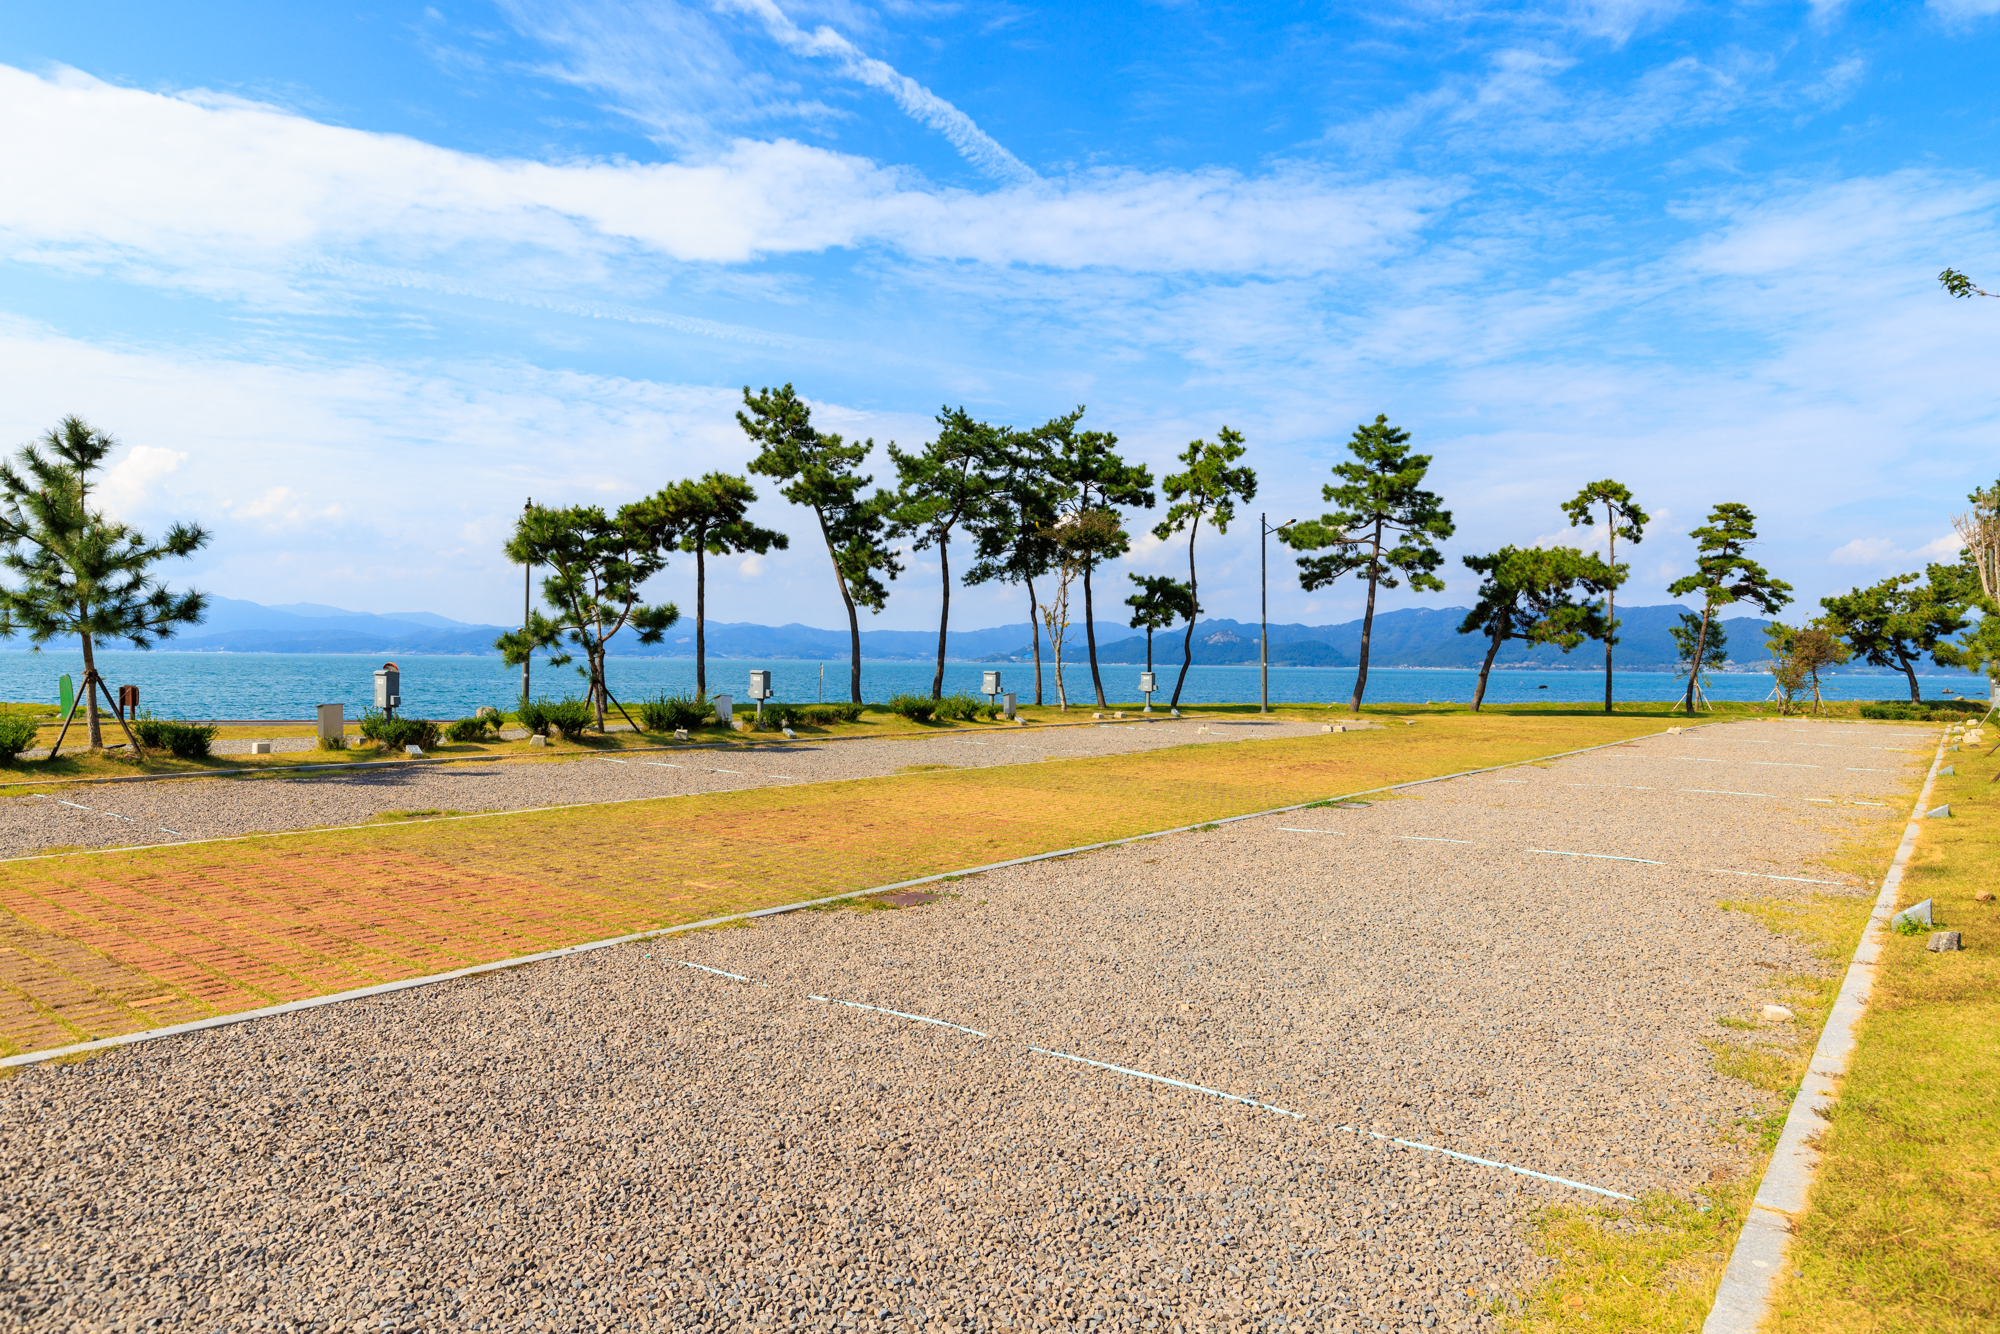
1777 1014
1943 942
538 740
1947 771
260 748
1920 912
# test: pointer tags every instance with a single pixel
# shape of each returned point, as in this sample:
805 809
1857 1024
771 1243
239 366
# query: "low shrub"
569 716
16 735
187 741
914 707
1930 711
670 713
469 729
965 708
826 715
396 733
333 743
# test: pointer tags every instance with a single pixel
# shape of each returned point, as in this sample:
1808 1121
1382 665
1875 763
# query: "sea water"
291 685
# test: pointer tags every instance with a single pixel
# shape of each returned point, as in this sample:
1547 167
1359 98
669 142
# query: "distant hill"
1415 637
1409 637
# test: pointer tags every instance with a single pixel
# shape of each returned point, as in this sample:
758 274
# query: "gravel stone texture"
112 814
620 1141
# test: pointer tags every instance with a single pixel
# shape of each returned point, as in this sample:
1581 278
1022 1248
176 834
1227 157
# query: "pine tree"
1386 529
78 572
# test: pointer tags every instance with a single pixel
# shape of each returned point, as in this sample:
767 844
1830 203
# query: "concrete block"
1941 813
260 748
680 734
1943 942
538 740
413 750
1947 771
1917 912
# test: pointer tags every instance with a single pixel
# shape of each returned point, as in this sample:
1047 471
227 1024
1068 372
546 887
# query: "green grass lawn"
1902 1231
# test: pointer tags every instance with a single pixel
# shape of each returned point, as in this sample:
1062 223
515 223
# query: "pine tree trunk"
90 694
1035 628
700 618
1194 610
853 619
1090 636
1700 651
1909 670
1367 623
1610 607
1485 668
944 616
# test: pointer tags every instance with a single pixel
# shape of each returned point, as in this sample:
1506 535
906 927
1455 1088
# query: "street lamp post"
1264 609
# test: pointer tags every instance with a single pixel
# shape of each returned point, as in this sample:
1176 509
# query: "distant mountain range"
1410 637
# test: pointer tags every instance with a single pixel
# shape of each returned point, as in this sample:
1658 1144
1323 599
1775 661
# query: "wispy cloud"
917 101
684 74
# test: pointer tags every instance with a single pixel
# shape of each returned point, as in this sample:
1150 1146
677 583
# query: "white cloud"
1864 551
236 198
129 483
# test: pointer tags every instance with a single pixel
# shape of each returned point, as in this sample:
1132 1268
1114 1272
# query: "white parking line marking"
1760 875
1787 764
1420 838
1290 830
922 1019
1177 1083
1722 792
1601 856
608 760
737 772
1853 770
717 971
1488 1162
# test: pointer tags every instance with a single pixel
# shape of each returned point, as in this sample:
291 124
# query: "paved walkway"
1179 1084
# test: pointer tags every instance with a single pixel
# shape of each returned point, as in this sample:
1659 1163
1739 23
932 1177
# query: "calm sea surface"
289 685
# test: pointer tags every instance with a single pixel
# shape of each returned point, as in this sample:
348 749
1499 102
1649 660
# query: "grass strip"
1902 1231
189 932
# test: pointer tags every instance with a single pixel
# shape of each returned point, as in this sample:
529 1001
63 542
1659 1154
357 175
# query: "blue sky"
350 282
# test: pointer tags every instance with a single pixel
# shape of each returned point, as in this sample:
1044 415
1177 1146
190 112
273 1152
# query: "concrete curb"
1744 1300
474 970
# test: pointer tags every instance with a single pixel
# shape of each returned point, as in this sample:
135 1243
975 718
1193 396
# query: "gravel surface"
621 1141
110 814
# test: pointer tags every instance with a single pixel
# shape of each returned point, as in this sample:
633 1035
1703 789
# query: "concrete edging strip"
474 970
1743 1301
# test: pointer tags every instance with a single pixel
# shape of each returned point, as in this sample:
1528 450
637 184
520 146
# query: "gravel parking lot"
113 814
621 1141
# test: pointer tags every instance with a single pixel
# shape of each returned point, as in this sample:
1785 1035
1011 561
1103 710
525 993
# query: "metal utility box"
760 686
1146 683
725 710
332 722
388 688
1007 703
991 685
